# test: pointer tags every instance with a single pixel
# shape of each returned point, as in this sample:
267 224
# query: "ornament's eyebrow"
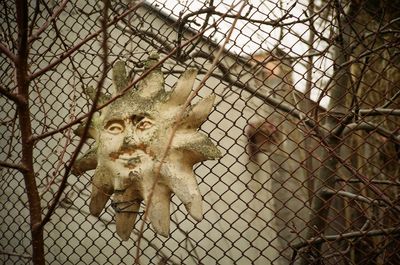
115 117
124 116
142 114
120 121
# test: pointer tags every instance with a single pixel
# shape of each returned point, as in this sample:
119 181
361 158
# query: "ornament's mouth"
131 160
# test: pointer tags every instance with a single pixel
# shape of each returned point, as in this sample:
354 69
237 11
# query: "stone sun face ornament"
131 135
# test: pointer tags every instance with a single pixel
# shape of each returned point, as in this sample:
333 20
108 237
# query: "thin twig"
8 26
277 22
42 106
35 15
24 256
12 137
392 99
59 164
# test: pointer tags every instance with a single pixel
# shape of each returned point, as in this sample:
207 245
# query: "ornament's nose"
130 140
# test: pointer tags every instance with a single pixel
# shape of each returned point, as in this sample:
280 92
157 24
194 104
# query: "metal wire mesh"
306 119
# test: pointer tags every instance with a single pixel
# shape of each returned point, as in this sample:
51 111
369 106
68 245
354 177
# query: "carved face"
125 145
132 135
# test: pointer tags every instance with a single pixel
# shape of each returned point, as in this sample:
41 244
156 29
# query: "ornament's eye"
144 124
115 127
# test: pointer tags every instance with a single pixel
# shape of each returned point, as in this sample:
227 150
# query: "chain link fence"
306 119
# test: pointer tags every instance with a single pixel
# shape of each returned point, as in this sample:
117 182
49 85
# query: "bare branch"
24 256
352 196
185 19
368 126
205 23
129 86
53 17
13 166
25 125
104 45
355 234
73 49
9 95
374 181
278 22
378 111
4 50
157 167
